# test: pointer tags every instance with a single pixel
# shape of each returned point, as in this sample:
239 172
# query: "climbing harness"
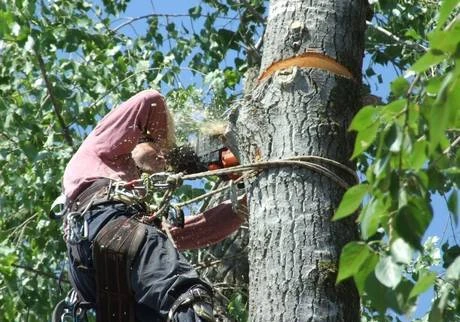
197 297
71 309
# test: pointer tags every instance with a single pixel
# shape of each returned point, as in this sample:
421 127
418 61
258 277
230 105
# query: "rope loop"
171 181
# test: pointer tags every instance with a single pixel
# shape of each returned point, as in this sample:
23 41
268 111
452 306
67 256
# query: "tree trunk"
294 246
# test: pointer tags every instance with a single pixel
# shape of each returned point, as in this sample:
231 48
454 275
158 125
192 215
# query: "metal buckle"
78 228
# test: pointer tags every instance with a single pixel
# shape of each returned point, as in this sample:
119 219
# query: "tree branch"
394 37
163 15
41 273
217 262
9 138
56 106
248 6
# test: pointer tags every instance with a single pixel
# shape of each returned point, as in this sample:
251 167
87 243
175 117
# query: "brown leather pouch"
115 249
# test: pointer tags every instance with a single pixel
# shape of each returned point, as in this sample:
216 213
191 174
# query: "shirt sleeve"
119 131
209 227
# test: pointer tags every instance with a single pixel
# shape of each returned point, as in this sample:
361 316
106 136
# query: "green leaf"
418 157
360 277
427 60
381 165
439 119
371 216
393 109
195 12
453 97
454 207
445 41
401 252
433 85
351 201
411 32
449 254
383 298
388 272
452 171
399 299
444 11
228 38
375 292
435 314
397 141
231 77
7 19
411 223
399 86
364 118
453 271
364 139
353 256
425 281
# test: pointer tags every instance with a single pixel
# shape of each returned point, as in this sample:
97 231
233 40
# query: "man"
162 285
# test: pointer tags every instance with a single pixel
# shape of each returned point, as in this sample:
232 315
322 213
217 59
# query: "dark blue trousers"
160 273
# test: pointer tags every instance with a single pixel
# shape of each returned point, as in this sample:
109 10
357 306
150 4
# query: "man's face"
150 156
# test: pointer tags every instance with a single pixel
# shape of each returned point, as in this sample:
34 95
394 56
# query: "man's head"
149 154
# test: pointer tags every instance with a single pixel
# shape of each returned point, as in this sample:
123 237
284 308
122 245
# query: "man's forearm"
208 228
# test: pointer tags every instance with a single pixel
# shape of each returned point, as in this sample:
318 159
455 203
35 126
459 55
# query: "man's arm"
210 227
119 131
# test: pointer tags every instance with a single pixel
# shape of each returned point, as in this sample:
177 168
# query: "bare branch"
394 37
55 103
163 15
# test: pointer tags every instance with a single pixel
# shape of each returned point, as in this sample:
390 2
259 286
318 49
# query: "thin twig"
22 225
453 144
38 272
451 24
110 90
216 262
450 219
9 138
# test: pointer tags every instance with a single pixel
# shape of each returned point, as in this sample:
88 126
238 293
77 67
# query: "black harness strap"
115 249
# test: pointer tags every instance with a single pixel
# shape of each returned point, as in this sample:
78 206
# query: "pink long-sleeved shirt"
106 152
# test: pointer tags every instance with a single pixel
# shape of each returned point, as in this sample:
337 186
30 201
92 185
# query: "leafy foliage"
407 150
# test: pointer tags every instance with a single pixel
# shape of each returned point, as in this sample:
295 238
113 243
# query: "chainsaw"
209 153
213 153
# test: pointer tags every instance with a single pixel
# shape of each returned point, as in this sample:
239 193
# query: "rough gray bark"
294 246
